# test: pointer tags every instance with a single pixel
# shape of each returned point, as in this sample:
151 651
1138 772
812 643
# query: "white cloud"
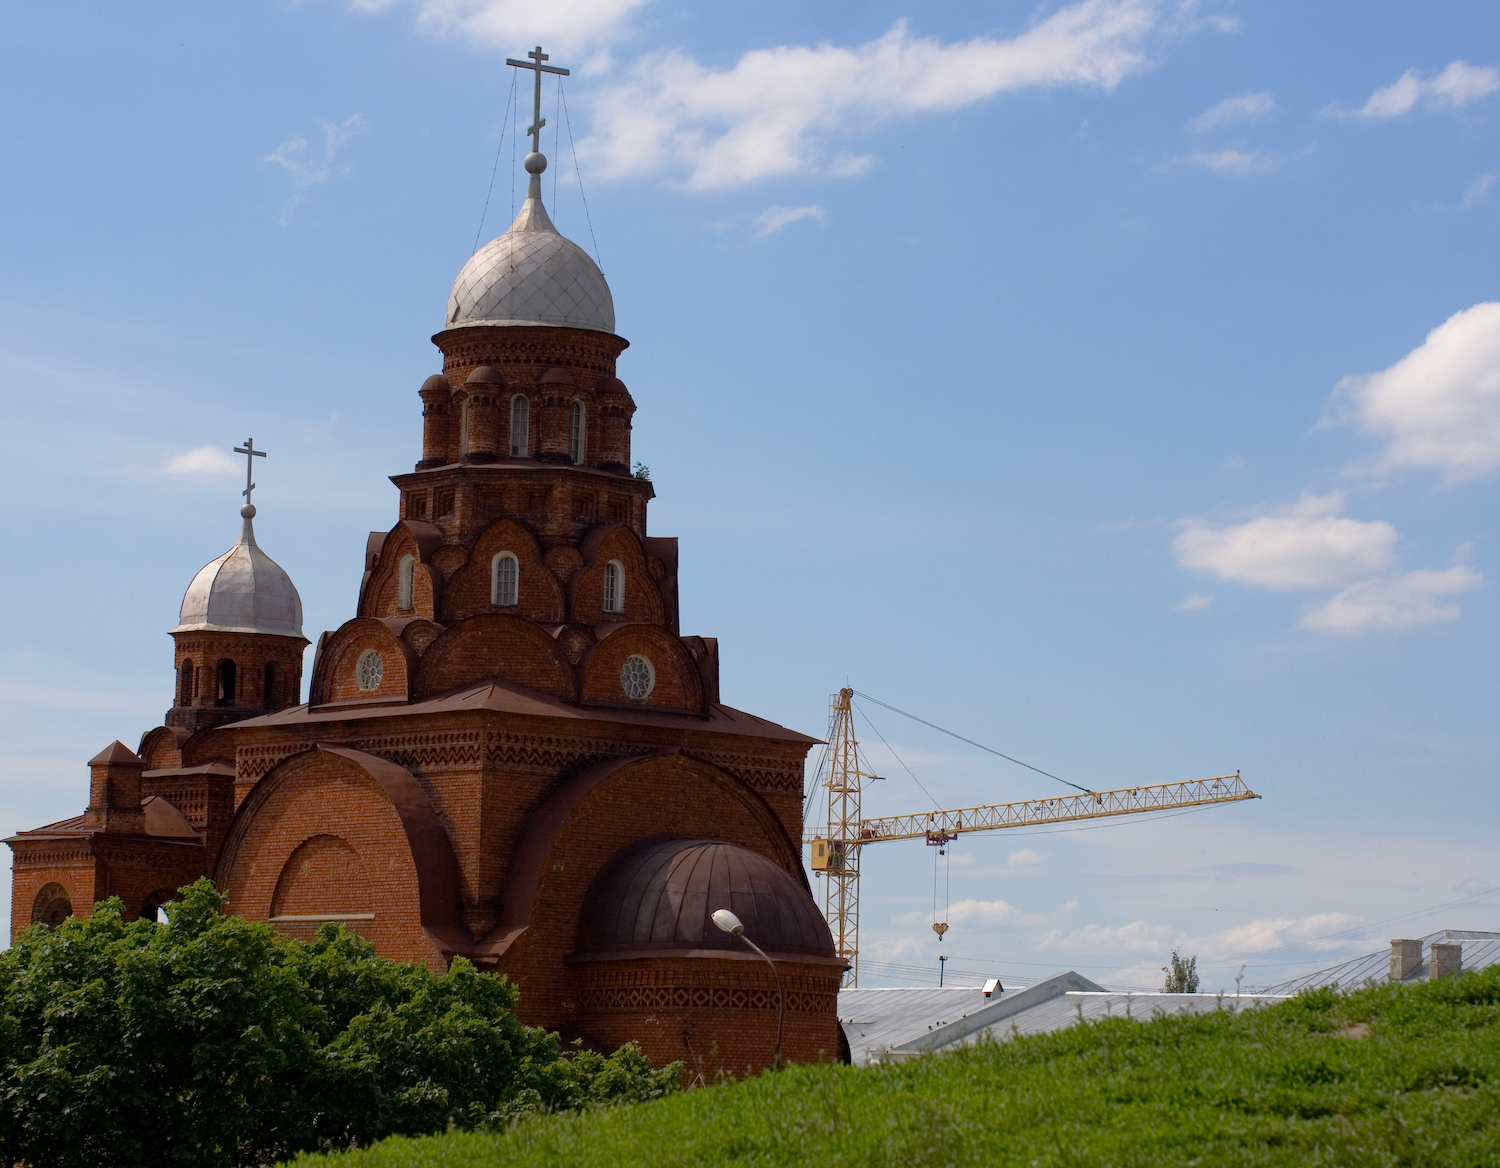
202 460
1478 191
984 914
1234 109
1194 602
773 111
514 25
1025 858
1269 933
1309 545
1455 87
1439 406
306 166
1240 161
1393 602
774 218
1136 937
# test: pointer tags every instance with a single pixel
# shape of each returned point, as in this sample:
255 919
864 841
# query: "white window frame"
614 586
497 597
406 583
578 433
520 422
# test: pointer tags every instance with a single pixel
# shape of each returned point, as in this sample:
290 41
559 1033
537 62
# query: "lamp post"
730 923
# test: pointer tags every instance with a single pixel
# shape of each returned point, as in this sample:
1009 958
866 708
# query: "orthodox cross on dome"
537 68
251 454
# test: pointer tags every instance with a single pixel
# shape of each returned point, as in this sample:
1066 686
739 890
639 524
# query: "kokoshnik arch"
511 752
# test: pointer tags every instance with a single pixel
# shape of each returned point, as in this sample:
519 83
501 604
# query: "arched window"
576 445
185 683
520 425
505 579
226 684
614 586
268 688
406 585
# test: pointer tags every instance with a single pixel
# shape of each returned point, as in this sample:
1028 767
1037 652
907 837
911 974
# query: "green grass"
1290 1084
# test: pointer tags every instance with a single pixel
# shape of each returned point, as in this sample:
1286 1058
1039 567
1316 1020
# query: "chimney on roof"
993 987
1406 957
1444 958
115 790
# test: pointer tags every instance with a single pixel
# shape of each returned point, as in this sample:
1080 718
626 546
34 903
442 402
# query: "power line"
896 756
971 742
496 168
573 147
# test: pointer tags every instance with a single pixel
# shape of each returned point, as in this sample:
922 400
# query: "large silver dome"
531 275
243 591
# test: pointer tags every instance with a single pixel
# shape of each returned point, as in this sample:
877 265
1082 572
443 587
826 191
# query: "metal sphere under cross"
536 66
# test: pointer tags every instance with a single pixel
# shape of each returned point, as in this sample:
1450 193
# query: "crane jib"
933 825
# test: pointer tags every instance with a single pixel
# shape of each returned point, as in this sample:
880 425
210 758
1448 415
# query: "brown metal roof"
504 697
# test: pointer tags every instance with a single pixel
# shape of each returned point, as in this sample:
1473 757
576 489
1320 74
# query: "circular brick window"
369 669
637 678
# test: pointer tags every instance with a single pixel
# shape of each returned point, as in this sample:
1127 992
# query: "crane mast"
836 856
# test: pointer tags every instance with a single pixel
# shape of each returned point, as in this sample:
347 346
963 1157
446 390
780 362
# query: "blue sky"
1116 383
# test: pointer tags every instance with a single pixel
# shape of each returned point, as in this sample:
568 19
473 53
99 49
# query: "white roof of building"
531 275
243 591
887 1024
1480 950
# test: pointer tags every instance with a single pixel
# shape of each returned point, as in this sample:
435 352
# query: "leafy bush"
211 1040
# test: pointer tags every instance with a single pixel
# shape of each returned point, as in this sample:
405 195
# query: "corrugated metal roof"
1480 950
899 1023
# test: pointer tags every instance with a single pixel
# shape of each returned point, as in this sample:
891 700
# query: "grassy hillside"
1382 1076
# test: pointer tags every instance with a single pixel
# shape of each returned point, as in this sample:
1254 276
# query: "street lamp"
730 923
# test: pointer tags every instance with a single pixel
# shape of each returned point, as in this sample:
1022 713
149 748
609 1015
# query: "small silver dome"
531 275
243 591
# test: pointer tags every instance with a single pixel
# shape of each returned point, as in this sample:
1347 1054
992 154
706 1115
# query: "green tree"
1182 976
211 1040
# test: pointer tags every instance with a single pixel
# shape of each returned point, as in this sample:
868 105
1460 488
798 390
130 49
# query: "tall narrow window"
575 434
406 585
520 423
505 579
225 695
614 586
268 688
185 683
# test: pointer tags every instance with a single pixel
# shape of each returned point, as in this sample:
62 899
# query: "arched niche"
642 602
362 660
539 595
677 683
413 538
494 645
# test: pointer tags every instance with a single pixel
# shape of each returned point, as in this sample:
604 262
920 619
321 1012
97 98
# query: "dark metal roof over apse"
660 894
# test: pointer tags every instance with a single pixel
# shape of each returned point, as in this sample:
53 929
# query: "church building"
510 752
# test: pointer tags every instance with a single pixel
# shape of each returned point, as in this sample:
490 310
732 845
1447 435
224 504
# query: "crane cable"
971 742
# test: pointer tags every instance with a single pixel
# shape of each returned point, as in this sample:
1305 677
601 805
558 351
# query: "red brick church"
510 752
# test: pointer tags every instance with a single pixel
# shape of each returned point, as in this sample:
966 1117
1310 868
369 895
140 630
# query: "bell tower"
239 635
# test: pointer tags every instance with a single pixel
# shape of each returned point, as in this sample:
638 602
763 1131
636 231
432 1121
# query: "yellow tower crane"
836 856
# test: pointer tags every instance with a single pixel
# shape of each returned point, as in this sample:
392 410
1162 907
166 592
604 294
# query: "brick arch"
643 603
587 819
495 645
161 747
678 683
334 671
540 595
211 745
377 810
52 904
410 537
325 874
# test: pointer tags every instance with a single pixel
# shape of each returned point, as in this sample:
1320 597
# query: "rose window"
637 678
